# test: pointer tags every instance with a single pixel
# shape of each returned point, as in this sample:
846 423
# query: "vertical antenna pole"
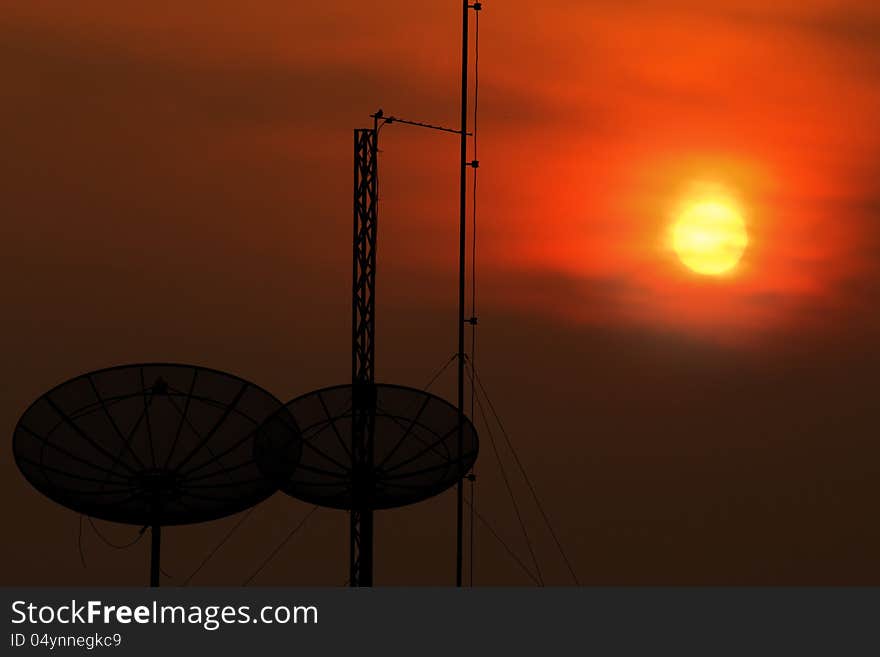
461 281
363 330
155 541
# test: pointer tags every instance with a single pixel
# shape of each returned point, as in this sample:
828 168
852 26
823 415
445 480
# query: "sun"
709 236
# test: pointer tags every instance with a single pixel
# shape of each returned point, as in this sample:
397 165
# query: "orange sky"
781 106
595 118
177 186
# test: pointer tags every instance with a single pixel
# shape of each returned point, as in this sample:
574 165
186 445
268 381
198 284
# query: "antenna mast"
459 511
363 332
363 325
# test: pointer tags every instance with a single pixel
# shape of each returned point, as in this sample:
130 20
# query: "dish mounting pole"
155 544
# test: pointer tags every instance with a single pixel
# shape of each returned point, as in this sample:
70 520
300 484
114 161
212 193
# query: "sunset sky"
176 186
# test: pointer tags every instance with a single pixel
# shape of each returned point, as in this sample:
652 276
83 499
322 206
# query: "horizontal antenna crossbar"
419 124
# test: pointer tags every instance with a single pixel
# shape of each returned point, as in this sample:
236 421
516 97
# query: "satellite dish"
151 445
415 453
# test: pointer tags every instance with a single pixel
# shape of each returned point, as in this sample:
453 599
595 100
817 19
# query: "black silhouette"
151 445
164 444
413 454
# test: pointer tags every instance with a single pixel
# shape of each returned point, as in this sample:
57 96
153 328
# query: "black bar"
156 539
505 621
365 556
363 352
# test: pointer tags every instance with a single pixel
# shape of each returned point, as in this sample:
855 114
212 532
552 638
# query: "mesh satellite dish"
151 445
364 447
414 452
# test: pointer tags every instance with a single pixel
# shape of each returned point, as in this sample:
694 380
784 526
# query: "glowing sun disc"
710 237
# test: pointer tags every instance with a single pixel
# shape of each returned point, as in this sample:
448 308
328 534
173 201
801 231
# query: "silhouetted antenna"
471 476
363 328
366 200
464 164
152 445
355 434
163 444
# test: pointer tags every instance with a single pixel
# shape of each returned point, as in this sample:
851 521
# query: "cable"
219 545
109 543
504 476
106 541
117 546
526 477
439 372
519 561
281 545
